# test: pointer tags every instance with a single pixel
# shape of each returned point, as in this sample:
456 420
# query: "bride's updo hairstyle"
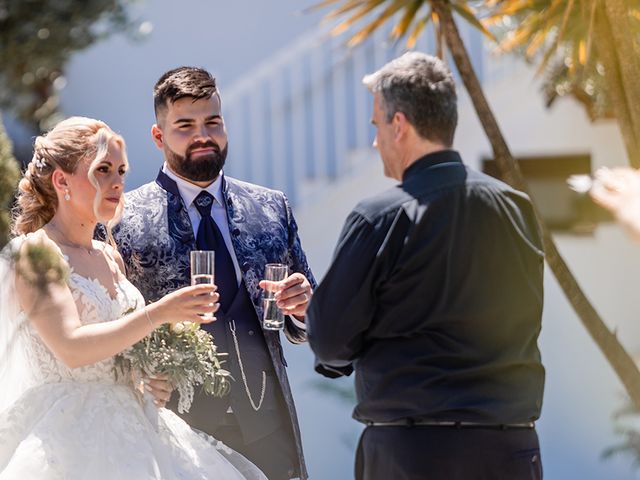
70 142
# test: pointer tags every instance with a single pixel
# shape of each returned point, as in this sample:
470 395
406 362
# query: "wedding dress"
84 423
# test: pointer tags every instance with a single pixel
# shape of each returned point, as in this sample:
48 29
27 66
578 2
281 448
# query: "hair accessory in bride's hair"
39 161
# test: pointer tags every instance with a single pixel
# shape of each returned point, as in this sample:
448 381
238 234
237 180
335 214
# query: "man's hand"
292 294
618 190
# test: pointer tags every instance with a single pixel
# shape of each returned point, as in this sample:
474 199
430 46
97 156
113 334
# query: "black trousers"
274 454
444 453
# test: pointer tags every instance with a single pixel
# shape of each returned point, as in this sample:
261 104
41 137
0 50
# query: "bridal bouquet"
185 354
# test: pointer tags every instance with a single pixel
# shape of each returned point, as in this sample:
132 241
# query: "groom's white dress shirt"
189 192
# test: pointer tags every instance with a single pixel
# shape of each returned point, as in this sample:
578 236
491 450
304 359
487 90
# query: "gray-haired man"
434 297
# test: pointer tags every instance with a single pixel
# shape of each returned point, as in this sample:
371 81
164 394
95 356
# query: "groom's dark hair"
182 82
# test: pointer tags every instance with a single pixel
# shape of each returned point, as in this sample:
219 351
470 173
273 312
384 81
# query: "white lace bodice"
94 305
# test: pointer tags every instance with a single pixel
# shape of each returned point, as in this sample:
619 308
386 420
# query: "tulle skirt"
78 431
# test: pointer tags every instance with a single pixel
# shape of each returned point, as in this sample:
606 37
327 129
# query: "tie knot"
203 203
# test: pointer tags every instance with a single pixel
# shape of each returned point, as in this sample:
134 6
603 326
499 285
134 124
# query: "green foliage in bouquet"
185 354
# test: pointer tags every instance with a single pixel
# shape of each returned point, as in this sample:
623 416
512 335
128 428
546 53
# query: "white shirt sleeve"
298 323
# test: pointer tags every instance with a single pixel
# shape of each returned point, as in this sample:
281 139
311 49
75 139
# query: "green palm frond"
531 20
418 28
410 25
544 27
394 7
560 37
470 15
363 8
586 85
407 19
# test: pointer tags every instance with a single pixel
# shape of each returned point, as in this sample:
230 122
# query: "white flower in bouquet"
185 354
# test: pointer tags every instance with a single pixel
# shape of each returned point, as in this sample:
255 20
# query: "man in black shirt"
434 297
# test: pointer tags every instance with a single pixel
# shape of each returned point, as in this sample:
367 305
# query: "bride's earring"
67 197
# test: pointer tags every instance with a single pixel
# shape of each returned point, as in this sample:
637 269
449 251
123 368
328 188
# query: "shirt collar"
429 160
189 191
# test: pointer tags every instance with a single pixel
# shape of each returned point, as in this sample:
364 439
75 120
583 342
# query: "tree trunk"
617 62
613 350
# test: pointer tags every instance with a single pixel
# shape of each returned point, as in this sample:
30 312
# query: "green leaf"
387 13
418 28
466 12
407 19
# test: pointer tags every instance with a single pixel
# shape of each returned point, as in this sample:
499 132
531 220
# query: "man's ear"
400 125
158 136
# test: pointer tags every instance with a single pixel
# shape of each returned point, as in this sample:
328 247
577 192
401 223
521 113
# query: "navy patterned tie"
209 237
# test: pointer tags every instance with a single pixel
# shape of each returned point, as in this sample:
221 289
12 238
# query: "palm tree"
411 23
592 39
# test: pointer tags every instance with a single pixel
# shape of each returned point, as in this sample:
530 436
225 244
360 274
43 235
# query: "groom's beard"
204 168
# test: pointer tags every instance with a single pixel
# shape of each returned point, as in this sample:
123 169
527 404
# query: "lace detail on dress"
94 305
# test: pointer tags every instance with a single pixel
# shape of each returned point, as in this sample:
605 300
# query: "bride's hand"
186 305
160 388
157 386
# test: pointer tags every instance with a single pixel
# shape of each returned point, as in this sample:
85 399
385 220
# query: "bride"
63 412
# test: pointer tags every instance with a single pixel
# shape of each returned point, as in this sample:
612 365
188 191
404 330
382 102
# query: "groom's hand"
293 294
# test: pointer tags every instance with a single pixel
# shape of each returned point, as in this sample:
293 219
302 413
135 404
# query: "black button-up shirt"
435 298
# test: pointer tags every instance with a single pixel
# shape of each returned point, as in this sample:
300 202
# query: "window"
562 209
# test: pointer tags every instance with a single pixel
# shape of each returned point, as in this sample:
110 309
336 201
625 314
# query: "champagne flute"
273 318
202 270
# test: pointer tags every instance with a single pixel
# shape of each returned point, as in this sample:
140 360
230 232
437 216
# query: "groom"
192 205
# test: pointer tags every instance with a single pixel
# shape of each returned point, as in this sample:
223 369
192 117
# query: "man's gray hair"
422 88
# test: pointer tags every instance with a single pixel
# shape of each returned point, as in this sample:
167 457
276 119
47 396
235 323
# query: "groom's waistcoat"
238 332
155 237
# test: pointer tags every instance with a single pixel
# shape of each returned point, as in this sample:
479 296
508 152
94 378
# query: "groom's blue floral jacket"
155 237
